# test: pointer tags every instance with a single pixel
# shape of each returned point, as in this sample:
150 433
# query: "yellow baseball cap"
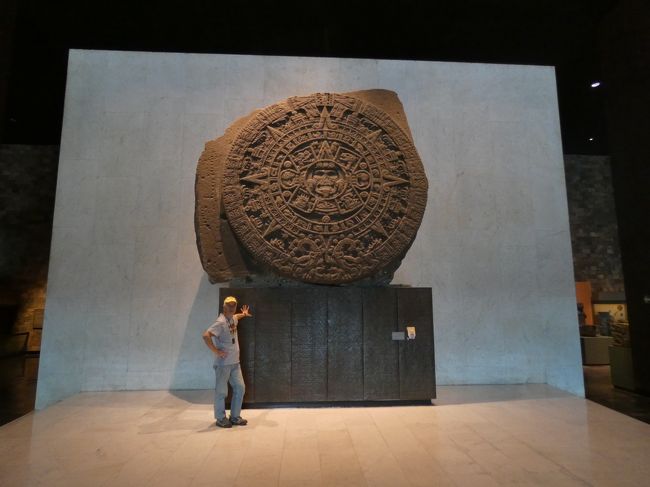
230 299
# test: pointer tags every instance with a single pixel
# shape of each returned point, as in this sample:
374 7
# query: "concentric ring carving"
324 188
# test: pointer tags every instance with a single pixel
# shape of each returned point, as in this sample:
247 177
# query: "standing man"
222 339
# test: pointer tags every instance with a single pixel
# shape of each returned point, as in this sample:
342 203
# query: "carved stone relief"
326 188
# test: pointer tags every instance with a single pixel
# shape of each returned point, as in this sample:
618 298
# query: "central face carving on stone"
325 179
323 185
324 188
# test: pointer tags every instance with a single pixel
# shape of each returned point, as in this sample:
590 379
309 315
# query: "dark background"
565 34
586 40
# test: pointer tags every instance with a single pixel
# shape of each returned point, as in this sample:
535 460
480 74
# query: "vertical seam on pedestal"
363 348
327 345
400 348
291 318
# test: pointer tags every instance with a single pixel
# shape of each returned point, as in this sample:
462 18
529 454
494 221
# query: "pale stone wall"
127 298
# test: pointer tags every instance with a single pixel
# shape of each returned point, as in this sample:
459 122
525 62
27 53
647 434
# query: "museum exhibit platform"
595 350
474 435
333 344
622 369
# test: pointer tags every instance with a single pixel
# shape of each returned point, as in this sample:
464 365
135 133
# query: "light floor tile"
473 436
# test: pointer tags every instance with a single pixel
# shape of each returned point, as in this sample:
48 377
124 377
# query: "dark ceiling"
564 34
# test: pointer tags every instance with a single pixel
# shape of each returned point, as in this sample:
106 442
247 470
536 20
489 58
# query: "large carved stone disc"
324 188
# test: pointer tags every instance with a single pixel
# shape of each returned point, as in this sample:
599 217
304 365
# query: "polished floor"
473 436
599 388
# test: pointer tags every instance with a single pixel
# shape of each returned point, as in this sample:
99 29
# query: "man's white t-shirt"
224 337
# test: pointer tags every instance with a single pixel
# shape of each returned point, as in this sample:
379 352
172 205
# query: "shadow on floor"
18 376
471 394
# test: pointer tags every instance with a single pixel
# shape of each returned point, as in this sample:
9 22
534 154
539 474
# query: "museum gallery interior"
293 245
